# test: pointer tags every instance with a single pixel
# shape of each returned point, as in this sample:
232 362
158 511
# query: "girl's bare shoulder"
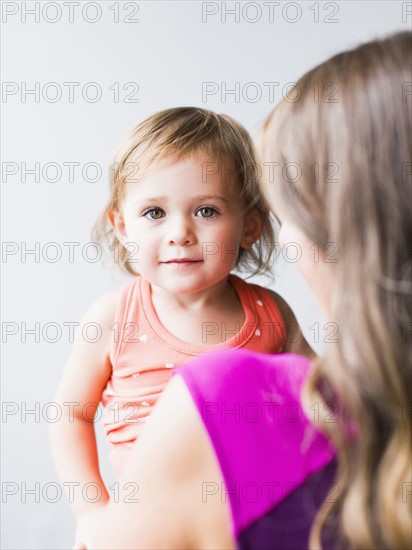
103 309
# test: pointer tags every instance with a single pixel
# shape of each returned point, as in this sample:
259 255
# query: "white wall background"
169 53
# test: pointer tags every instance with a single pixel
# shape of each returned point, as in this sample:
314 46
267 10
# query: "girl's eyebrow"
148 200
197 198
212 197
153 199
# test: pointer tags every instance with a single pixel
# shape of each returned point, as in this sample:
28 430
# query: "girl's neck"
220 295
187 316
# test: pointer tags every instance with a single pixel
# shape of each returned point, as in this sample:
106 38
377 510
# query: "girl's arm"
295 341
171 494
72 438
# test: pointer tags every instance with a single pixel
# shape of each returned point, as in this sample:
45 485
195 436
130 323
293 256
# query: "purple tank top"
277 468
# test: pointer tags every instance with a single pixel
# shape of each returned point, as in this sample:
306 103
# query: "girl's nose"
181 232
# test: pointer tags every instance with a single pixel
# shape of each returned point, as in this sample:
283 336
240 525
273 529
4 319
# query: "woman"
229 425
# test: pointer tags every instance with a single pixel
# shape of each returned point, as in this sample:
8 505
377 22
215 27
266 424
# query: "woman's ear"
252 229
117 222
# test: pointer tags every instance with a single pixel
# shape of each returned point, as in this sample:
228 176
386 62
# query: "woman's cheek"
290 235
283 235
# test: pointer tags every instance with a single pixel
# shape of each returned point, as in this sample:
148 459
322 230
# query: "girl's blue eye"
207 212
155 214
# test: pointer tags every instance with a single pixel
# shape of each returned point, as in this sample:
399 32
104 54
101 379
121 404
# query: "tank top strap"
265 310
126 313
272 309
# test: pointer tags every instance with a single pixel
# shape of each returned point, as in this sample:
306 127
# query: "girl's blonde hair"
183 131
348 129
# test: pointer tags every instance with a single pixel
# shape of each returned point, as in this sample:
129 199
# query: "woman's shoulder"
250 406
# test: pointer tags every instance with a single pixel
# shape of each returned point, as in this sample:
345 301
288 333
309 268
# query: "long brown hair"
347 126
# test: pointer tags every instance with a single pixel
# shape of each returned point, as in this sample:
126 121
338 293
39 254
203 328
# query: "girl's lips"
183 263
180 261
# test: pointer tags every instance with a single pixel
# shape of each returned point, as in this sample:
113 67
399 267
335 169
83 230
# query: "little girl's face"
186 221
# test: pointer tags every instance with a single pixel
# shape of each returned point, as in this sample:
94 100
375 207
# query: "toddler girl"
185 210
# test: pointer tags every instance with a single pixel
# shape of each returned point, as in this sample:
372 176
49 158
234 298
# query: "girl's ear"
252 229
117 222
